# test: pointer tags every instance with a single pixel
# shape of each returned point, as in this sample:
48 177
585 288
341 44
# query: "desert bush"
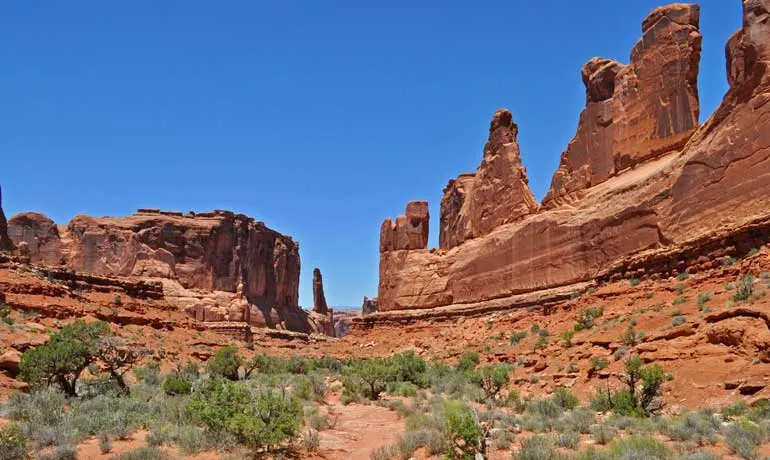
462 430
311 440
403 389
468 361
678 321
568 440
619 353
736 410
174 385
743 437
565 399
143 453
149 374
409 367
567 336
541 415
66 452
517 336
603 434
701 427
383 453
699 455
745 289
578 420
373 375
13 443
491 379
225 363
536 448
599 363
63 358
630 338
586 318
105 446
637 447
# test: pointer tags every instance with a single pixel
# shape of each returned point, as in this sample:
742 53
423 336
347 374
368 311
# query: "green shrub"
311 440
225 363
728 261
67 452
373 375
630 337
745 289
567 336
64 357
586 318
462 429
517 337
603 434
678 321
149 374
384 453
403 389
568 440
409 367
743 437
679 300
491 379
143 453
638 447
536 448
578 420
599 363
700 427
634 281
468 361
736 410
565 399
174 385
13 443
105 446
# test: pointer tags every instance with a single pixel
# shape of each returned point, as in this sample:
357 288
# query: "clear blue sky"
320 118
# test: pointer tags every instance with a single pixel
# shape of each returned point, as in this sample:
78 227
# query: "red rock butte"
217 266
641 190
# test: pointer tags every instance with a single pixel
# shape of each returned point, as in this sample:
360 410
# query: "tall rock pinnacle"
319 300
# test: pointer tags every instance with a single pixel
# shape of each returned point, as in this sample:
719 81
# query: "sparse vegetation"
745 289
586 318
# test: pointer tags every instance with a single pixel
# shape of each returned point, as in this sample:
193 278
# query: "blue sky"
320 118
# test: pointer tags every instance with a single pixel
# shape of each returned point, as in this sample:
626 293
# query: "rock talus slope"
217 266
690 190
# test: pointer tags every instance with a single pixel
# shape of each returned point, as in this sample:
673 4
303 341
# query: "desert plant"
374 375
586 318
743 437
311 440
678 321
462 429
517 336
598 363
565 399
745 289
567 336
492 379
536 448
603 434
225 363
13 443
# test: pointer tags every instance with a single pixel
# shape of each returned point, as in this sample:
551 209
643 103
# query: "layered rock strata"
690 189
638 111
217 266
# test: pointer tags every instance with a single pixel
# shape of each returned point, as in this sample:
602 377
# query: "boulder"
39 235
9 362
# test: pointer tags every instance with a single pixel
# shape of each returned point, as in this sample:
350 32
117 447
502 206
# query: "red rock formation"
409 231
670 209
636 112
218 266
369 306
319 299
39 235
497 194
5 242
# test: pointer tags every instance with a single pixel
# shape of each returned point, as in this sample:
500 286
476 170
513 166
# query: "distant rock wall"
639 188
218 266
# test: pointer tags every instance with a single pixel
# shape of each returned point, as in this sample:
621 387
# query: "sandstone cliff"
691 191
638 111
217 266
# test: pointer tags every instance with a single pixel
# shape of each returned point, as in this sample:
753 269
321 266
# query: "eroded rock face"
498 193
369 306
319 299
39 235
220 266
409 231
668 205
5 241
635 112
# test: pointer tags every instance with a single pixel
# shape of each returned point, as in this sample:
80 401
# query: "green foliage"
462 429
679 300
174 385
683 276
65 356
728 261
517 336
565 399
13 443
699 427
468 361
745 289
630 337
736 410
603 434
743 437
678 321
374 375
536 448
225 363
149 374
491 379
586 318
409 367
637 447
634 281
143 453
260 420
598 363
567 336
